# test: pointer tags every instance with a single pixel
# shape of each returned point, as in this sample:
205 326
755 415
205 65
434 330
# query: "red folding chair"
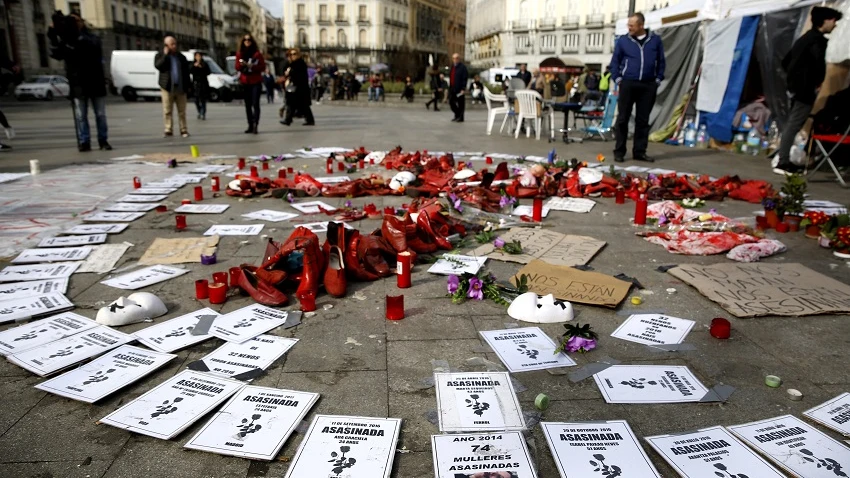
836 140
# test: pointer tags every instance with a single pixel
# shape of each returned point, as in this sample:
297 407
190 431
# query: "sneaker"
185 134
166 134
10 133
5 147
786 169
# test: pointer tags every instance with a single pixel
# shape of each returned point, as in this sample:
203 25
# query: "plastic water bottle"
702 137
690 136
753 142
740 143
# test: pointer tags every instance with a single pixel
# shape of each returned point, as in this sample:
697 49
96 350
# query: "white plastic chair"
528 111
492 111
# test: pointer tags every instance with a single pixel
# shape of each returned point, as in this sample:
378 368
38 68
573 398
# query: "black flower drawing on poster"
246 427
339 461
828 463
113 307
179 331
244 323
477 407
30 335
531 353
638 383
166 407
98 376
610 471
66 351
726 473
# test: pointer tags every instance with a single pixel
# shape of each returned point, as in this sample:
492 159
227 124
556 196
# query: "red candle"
488 160
361 164
329 161
289 170
235 272
620 198
241 164
161 208
181 221
186 201
308 301
137 183
220 278
640 210
265 165
199 193
720 328
537 210
340 166
254 172
395 307
202 289
281 173
403 267
371 160
782 227
216 185
388 164
329 168
218 293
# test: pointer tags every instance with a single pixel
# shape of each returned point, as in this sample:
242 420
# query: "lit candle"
202 289
640 210
254 172
620 198
216 184
220 278
181 222
241 164
137 183
537 210
218 293
199 193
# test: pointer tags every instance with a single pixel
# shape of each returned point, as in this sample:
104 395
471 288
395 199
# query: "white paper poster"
604 448
580 205
526 210
455 264
167 184
154 191
112 216
97 229
333 179
142 198
255 423
176 333
71 241
477 401
710 453
346 447
40 332
526 348
202 208
145 277
654 329
312 207
131 207
34 306
104 257
270 215
649 384
108 373
54 356
248 322
38 272
462 456
233 230
246 360
834 414
185 179
173 405
19 290
211 168
56 254
796 446
319 227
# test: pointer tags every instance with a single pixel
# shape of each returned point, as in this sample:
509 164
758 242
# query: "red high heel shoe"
249 281
334 279
423 223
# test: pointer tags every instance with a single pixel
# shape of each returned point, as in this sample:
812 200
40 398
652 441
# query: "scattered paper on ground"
104 257
549 246
178 251
654 329
454 264
574 285
580 205
234 230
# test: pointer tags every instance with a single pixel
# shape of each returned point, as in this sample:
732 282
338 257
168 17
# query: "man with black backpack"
591 82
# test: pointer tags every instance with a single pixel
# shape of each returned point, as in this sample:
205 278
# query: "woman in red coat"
251 65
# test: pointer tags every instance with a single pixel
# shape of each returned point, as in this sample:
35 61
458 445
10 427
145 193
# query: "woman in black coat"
200 71
436 90
297 89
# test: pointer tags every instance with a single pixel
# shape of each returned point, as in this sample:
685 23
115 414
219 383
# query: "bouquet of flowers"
842 237
814 218
577 338
474 286
513 247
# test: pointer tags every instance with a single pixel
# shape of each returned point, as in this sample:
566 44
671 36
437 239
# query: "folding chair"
532 108
836 140
493 111
605 125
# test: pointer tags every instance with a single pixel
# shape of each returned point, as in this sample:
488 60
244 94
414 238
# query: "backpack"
592 82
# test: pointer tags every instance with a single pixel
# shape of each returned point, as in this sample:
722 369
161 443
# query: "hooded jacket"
638 62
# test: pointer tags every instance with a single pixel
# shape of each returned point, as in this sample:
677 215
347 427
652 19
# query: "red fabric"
256 74
452 76
832 138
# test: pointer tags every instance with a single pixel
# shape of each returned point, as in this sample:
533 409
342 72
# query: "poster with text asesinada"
834 414
649 384
477 401
40 332
497 455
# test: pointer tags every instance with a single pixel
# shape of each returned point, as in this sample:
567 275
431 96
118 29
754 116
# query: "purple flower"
348 204
263 157
499 243
712 211
662 219
506 201
580 344
469 165
475 289
278 159
453 284
455 202
289 197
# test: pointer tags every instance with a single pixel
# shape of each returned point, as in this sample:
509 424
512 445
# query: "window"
154 22
117 42
571 42
323 12
74 7
146 20
340 12
548 43
323 37
125 16
341 38
361 12
135 18
524 10
595 42
302 37
114 14
42 49
361 39
550 9
523 42
302 11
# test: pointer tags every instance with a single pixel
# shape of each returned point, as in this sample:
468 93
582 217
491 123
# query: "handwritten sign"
751 290
574 285
548 246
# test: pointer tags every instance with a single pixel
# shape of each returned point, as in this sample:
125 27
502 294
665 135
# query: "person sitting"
477 90
407 93
376 88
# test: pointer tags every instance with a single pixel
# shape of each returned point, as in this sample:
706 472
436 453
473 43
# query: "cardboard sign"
527 348
477 401
154 191
38 272
107 374
248 322
606 448
649 384
312 207
71 241
142 198
112 217
795 446
57 254
59 354
19 290
270 215
104 257
97 229
178 251
231 230
751 290
246 360
255 423
144 277
33 306
477 454
349 447
40 332
455 264
176 333
709 453
833 414
202 208
573 285
548 246
173 405
580 205
654 329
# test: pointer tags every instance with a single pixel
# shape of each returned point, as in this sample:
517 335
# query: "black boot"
250 128
104 145
83 147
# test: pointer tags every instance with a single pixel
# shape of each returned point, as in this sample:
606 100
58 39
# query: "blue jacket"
633 61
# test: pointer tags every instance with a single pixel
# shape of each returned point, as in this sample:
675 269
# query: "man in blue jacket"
637 68
458 77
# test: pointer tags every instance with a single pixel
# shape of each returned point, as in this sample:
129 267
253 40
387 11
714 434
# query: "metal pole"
212 30
631 7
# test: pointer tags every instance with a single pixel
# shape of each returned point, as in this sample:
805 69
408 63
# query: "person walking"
524 74
319 82
270 85
605 84
72 42
174 85
8 64
251 65
805 65
436 85
200 70
637 68
299 96
458 77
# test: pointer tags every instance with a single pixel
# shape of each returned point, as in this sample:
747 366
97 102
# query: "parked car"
45 87
134 76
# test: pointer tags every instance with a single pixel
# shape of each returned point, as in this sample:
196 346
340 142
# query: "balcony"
302 21
522 25
594 49
237 15
570 22
595 20
569 49
523 50
341 20
618 15
325 20
546 24
364 21
395 23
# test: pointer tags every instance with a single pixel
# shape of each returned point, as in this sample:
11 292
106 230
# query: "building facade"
23 35
511 32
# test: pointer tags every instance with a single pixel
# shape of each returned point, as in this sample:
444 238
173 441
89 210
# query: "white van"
134 76
495 76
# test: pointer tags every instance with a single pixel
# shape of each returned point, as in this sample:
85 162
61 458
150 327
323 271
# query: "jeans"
201 104
798 113
81 108
252 103
375 94
639 95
